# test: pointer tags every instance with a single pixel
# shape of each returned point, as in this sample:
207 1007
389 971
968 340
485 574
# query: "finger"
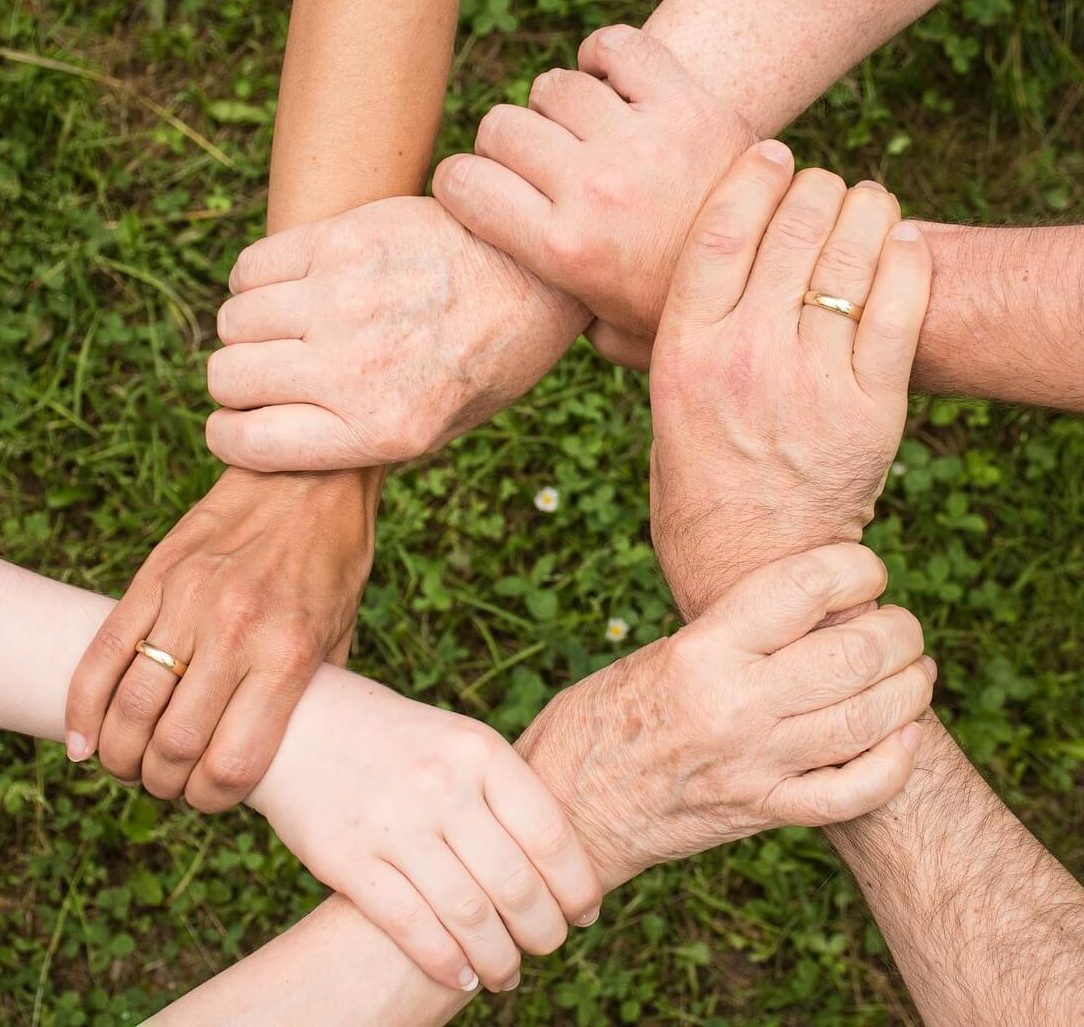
463 907
140 699
538 150
187 725
283 257
783 601
537 824
793 243
102 666
495 204
278 311
846 267
722 245
841 732
247 736
582 105
637 65
619 347
288 437
387 898
511 881
833 795
257 374
888 335
834 663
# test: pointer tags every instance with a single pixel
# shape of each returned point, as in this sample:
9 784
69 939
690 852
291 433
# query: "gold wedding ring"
836 304
162 658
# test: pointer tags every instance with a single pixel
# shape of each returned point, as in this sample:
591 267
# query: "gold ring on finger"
836 304
162 658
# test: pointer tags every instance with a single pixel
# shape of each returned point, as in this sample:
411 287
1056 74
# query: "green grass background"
117 230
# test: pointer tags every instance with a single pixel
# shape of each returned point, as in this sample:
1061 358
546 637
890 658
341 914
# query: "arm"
984 923
486 329
359 104
600 216
777 746
278 562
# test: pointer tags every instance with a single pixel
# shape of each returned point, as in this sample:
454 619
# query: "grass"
133 157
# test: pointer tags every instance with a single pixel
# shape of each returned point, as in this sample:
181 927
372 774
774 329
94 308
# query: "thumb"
722 245
785 600
287 437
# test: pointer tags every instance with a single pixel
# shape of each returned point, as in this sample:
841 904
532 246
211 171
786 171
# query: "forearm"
985 925
1006 320
359 104
770 59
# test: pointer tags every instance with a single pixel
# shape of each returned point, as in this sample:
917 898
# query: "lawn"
134 141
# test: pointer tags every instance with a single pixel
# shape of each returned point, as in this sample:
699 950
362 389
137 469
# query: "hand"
253 588
594 187
374 337
776 422
432 825
738 723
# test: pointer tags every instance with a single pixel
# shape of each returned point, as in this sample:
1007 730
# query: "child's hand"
432 825
594 187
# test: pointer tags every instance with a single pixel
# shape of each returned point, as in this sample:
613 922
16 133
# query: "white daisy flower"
617 629
548 499
899 469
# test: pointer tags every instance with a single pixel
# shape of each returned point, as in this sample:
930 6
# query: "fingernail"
869 183
78 750
775 151
910 736
588 918
512 983
905 231
468 979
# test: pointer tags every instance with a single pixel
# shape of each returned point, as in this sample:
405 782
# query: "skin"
985 925
768 749
765 66
594 188
236 590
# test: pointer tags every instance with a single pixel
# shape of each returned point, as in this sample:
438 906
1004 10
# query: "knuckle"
472 911
808 579
407 917
244 267
178 743
519 889
233 772
109 644
800 225
846 257
547 84
552 837
620 39
137 701
860 654
508 968
860 723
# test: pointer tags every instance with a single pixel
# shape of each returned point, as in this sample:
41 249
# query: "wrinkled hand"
776 422
594 187
432 825
374 337
254 587
738 723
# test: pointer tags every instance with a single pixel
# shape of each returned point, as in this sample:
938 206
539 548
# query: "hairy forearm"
770 59
1006 319
984 923
359 104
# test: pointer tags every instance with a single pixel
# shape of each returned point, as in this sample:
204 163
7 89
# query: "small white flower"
617 630
899 469
548 499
